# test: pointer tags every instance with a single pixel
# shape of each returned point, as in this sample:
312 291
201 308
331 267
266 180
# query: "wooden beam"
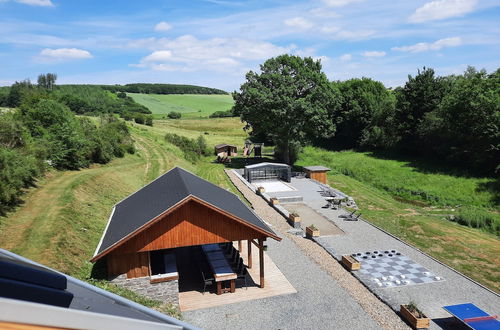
261 261
255 243
249 265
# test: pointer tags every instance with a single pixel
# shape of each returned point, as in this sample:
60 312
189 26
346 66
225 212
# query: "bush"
193 149
174 115
222 114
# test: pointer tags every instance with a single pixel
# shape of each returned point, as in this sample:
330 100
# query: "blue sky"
215 42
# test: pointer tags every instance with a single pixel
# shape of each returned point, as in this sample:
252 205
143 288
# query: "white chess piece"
384 278
437 278
398 282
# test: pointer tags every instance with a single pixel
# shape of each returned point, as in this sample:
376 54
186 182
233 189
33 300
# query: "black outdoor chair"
207 281
235 257
336 204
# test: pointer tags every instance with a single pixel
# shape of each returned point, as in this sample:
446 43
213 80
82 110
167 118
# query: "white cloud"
441 9
42 3
330 29
426 46
373 53
64 53
340 3
345 57
158 56
188 53
299 22
163 26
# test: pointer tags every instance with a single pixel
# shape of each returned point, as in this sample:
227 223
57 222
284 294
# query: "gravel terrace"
328 296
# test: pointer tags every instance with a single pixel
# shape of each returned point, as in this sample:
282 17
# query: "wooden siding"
191 224
134 264
318 176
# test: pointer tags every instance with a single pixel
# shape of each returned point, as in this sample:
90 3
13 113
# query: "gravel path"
328 295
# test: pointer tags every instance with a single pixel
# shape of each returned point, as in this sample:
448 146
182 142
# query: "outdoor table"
220 267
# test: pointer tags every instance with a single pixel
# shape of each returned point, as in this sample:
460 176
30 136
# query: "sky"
215 43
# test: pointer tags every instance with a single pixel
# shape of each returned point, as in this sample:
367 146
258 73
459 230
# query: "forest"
454 119
45 132
162 89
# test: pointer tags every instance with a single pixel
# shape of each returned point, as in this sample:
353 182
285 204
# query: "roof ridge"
185 186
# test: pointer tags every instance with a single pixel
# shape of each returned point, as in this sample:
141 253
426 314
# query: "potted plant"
274 201
294 219
414 316
261 190
350 262
312 231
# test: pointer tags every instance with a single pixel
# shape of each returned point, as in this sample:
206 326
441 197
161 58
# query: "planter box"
312 233
417 323
350 262
261 190
274 201
294 221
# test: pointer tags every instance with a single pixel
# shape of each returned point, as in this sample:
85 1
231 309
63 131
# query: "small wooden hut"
226 150
317 173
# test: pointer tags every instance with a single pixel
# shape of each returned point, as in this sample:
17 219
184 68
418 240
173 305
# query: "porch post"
240 246
261 261
249 250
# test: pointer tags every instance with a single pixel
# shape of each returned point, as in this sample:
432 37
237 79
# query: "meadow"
189 105
80 201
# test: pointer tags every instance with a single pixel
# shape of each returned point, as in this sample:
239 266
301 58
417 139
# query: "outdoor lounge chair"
351 217
207 281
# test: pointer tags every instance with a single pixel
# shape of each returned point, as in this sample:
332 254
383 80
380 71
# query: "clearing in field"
189 105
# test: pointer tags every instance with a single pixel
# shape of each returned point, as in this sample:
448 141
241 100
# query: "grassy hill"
189 105
61 221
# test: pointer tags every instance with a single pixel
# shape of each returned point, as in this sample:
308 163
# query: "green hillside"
189 105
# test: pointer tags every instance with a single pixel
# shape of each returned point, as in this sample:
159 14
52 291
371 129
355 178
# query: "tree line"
91 100
162 89
453 118
43 132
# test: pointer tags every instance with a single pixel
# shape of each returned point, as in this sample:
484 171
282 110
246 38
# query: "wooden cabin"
178 209
226 150
317 173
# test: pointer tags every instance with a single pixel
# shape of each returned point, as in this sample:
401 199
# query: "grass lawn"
189 105
373 183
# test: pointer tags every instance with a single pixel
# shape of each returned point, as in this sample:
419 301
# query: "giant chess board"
389 268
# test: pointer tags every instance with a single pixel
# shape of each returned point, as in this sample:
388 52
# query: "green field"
80 201
189 105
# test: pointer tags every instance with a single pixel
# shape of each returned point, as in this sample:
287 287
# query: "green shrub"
193 149
174 115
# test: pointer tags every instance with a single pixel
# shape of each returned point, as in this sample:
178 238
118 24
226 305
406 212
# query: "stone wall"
164 291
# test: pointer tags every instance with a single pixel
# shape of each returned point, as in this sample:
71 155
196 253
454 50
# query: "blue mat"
467 314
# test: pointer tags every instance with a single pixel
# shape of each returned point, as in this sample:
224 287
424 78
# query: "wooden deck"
276 284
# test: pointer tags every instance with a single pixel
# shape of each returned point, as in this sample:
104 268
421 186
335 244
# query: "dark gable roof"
224 145
163 193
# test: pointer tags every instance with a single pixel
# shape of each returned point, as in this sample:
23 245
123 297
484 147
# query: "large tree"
367 107
420 95
290 101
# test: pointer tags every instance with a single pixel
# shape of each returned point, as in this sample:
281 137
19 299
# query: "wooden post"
261 261
240 246
249 253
